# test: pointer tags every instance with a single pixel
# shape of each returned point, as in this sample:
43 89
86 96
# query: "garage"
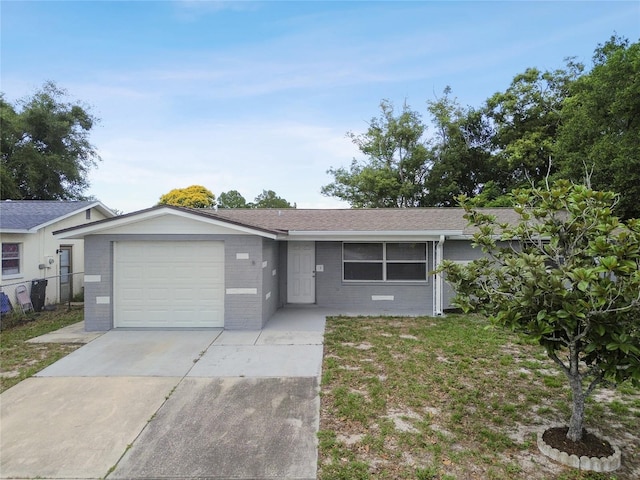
169 284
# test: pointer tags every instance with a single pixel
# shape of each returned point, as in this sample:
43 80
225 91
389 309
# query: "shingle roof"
429 221
358 220
28 214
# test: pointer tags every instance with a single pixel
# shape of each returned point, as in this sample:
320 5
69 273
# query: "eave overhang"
18 231
369 236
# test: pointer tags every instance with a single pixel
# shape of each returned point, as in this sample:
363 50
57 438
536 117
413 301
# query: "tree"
601 124
396 164
46 153
269 199
567 275
9 139
460 152
195 196
231 199
526 118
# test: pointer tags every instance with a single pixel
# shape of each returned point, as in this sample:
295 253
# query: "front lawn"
448 398
20 359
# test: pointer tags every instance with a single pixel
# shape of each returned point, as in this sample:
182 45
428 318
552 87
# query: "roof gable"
164 219
31 215
170 222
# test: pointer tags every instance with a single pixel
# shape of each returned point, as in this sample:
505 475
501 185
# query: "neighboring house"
30 251
179 267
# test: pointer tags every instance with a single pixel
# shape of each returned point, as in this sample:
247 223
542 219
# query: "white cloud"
289 158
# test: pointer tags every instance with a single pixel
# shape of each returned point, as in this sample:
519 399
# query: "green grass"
450 398
20 360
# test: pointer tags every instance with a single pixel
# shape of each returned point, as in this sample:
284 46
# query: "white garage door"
169 284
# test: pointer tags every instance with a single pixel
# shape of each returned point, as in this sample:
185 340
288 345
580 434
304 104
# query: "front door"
66 282
301 274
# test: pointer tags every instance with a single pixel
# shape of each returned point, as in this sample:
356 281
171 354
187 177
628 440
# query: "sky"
254 96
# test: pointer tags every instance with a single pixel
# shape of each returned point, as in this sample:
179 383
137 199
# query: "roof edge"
325 233
94 204
80 231
97 204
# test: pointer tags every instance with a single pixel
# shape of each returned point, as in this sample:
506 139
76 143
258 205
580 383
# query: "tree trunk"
577 414
575 381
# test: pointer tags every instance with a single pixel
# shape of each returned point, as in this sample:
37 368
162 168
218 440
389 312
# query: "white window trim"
20 274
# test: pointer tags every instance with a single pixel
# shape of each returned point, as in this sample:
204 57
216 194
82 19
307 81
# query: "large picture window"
381 262
10 259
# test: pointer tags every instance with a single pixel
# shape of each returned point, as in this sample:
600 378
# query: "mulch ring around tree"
589 446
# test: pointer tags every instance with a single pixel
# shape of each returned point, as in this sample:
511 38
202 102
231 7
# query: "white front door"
301 275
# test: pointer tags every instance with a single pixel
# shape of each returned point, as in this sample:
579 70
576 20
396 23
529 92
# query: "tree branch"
552 355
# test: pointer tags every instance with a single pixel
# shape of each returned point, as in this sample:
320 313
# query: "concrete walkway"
70 334
173 404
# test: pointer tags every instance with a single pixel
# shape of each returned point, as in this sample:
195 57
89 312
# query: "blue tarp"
5 303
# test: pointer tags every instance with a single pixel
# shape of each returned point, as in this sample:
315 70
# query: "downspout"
438 294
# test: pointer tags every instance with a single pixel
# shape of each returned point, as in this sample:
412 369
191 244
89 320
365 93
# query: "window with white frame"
10 259
385 261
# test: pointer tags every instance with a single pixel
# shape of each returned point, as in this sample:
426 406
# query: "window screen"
385 261
10 259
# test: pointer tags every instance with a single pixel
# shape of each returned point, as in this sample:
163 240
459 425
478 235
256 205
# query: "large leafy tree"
393 173
526 118
566 274
461 156
600 130
557 123
231 199
195 196
266 199
9 139
45 149
269 199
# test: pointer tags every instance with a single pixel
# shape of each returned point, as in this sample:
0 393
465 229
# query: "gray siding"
461 251
333 292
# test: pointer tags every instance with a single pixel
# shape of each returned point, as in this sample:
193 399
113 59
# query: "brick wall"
243 282
98 284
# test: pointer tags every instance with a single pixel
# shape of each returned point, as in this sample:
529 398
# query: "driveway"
173 404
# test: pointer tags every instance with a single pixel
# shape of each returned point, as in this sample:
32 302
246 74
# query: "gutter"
368 235
438 283
17 231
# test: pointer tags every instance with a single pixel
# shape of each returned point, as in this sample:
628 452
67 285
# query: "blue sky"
259 95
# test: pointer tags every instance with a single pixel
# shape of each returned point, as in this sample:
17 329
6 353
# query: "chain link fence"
37 292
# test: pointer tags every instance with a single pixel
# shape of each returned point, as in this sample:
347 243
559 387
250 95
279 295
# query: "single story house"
30 251
172 266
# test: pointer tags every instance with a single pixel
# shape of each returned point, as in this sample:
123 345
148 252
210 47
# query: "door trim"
301 273
65 296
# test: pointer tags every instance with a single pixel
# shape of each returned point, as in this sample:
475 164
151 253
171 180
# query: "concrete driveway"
173 404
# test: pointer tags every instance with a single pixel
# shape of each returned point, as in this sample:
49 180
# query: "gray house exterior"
174 267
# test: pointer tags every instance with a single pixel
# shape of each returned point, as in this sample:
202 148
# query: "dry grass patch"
19 359
448 398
